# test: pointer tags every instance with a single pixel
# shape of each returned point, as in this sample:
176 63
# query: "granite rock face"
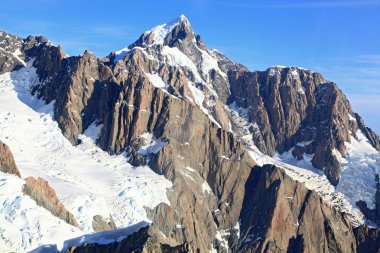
368 239
41 192
278 215
10 52
278 212
298 110
100 224
7 162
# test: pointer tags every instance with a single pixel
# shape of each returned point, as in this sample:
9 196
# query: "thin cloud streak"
306 5
367 102
113 31
364 105
373 59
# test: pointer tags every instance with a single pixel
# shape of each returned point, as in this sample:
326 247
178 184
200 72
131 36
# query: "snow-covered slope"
25 225
87 180
361 164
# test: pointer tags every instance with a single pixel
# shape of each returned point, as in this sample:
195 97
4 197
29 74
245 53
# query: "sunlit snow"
86 179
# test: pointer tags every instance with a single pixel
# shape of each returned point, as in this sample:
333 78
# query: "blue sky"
339 39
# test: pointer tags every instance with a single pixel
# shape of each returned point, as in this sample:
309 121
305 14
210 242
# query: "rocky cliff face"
298 109
277 214
169 102
10 52
99 224
368 239
7 162
40 191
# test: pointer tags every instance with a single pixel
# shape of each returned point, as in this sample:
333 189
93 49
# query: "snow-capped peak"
160 32
154 36
181 18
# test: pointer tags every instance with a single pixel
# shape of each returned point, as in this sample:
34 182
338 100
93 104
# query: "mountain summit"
178 28
168 146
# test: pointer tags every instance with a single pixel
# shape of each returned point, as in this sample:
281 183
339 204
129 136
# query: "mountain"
167 146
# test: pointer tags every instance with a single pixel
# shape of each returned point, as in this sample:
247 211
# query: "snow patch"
156 80
206 188
17 54
351 118
152 146
175 57
223 241
160 32
209 63
121 54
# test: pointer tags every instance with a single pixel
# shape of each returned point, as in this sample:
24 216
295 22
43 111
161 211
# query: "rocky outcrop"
219 166
298 109
83 89
99 224
41 192
282 215
11 56
7 162
372 137
372 214
146 240
368 239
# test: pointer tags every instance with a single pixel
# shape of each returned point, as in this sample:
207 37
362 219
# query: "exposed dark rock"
41 192
368 239
146 240
11 55
292 105
373 215
99 224
278 215
371 135
282 215
7 162
377 196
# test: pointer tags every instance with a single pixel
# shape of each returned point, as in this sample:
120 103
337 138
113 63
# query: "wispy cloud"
363 80
366 106
373 72
372 59
369 100
304 5
76 45
39 26
361 84
111 30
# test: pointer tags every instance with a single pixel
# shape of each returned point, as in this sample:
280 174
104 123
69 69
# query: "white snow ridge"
87 180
